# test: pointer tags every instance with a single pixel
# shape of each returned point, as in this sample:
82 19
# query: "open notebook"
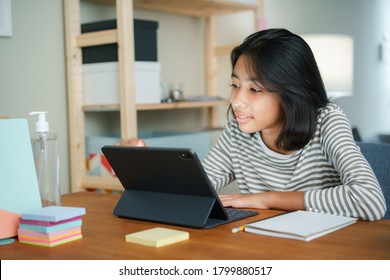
301 225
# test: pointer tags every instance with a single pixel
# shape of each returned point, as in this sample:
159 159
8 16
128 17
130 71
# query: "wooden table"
104 238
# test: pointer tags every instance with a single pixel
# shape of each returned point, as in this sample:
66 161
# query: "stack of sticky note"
51 226
157 237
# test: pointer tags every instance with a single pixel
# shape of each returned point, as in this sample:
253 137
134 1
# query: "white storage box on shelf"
201 142
101 83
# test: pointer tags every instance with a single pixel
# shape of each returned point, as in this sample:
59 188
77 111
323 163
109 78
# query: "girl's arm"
265 200
218 163
359 195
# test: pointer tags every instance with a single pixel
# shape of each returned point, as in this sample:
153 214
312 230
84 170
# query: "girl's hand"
133 142
265 200
244 200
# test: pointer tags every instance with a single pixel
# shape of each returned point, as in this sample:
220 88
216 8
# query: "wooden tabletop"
104 238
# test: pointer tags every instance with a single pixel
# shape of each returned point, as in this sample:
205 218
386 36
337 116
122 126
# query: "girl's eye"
234 86
258 90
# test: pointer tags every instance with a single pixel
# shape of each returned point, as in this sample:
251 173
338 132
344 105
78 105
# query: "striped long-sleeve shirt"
330 169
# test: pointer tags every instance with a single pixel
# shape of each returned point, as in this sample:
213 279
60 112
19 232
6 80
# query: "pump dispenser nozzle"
41 125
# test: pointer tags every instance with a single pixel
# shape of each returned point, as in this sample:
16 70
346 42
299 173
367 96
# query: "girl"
287 146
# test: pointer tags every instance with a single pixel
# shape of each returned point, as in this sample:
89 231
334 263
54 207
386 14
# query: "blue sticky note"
54 213
19 191
50 229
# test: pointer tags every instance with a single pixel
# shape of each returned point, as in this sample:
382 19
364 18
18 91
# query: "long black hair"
284 64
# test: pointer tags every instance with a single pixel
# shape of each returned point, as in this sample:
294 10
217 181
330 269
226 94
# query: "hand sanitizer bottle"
45 149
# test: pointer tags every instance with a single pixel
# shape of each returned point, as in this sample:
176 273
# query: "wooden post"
125 29
259 16
211 66
75 94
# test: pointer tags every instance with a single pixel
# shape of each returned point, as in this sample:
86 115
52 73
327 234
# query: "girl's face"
254 107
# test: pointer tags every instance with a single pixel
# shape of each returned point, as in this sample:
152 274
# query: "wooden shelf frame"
123 36
158 106
197 8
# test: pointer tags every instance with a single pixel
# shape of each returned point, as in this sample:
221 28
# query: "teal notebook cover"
48 229
19 191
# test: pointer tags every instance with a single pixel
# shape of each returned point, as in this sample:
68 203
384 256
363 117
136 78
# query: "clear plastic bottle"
47 164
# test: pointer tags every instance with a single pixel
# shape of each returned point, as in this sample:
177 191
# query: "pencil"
237 229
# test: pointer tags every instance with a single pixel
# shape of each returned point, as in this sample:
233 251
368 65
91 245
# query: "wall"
366 21
32 70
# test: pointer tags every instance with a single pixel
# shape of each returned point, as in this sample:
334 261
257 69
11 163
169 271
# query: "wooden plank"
100 182
259 15
180 105
194 7
224 50
157 106
101 107
211 67
75 94
199 8
97 38
128 112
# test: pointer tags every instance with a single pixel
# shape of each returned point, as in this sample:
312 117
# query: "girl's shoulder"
330 108
330 111
332 125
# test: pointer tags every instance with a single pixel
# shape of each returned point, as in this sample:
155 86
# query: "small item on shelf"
145 41
204 98
166 100
176 93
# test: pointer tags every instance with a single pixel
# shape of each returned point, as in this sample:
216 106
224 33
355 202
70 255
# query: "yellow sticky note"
157 237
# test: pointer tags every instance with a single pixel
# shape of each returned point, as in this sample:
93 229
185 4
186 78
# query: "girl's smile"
241 119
